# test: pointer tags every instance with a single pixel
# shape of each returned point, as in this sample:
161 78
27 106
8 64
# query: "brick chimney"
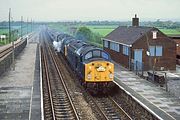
135 21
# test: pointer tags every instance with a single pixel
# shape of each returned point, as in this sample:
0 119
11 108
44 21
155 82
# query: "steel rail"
96 104
64 85
120 108
7 50
49 86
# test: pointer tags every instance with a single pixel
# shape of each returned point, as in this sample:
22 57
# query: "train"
92 65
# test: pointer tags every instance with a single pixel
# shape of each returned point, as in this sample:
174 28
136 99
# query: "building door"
138 59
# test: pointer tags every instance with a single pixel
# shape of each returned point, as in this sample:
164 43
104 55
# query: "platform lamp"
148 53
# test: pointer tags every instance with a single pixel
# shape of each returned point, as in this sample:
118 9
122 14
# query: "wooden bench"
158 77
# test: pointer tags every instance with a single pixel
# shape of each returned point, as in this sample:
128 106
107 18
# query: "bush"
87 35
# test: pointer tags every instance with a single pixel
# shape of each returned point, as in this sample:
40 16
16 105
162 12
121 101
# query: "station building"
176 39
139 47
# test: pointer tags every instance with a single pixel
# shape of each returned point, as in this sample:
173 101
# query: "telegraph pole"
21 26
13 63
27 26
9 25
13 51
31 24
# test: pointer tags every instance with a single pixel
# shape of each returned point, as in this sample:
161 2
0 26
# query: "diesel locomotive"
92 64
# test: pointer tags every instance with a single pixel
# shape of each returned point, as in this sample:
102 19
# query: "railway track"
119 106
57 101
8 50
108 108
104 107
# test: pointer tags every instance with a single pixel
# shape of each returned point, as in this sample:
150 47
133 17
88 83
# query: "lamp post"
166 81
149 55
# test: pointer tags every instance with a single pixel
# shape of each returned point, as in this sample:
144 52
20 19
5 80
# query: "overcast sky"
85 10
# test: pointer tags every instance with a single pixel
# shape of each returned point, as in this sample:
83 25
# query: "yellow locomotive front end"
99 71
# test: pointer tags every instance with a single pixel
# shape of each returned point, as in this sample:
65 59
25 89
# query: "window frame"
114 46
159 54
125 50
154 53
106 44
87 54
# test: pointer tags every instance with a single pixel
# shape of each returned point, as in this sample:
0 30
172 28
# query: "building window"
125 50
154 34
155 50
152 50
106 44
114 46
158 50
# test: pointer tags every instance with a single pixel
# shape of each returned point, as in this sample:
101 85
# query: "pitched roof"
127 35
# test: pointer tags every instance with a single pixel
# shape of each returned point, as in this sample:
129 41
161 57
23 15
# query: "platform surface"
153 96
19 89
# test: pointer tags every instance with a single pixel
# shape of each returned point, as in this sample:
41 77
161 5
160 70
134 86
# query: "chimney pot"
135 21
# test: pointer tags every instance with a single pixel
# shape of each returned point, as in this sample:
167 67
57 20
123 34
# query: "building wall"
177 46
165 62
118 56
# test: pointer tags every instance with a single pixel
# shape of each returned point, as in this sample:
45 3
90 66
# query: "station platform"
160 102
20 97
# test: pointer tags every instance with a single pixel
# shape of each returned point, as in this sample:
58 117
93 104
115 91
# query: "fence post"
142 69
166 82
136 67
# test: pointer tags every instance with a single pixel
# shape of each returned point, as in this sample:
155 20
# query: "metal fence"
138 68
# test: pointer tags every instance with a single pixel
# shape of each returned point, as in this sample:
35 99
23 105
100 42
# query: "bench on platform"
158 77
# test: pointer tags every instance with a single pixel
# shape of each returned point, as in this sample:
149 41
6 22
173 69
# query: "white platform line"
31 102
41 88
142 104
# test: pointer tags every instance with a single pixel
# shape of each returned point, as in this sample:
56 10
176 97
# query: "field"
100 29
6 31
3 31
104 30
59 27
171 31
16 35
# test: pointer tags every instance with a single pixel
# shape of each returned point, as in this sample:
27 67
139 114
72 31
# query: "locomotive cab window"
88 55
96 53
105 55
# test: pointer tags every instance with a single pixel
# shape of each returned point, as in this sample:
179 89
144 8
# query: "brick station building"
140 47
